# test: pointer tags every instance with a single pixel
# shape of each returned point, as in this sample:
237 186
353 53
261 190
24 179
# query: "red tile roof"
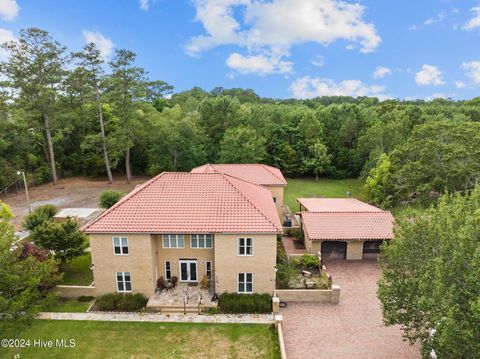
348 225
255 173
179 202
336 205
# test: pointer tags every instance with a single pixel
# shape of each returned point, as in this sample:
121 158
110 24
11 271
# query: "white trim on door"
189 263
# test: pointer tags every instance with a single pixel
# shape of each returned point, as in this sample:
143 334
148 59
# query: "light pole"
26 188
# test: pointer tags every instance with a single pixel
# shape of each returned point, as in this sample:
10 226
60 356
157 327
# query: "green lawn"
69 306
149 340
308 187
77 271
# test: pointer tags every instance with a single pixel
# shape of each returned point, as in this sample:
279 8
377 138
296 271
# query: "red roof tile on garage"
348 225
255 173
180 202
336 205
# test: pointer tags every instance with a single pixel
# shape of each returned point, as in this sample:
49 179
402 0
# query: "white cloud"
260 64
381 71
475 21
274 27
472 70
5 35
8 9
318 61
440 95
459 84
144 4
441 16
104 44
429 75
308 87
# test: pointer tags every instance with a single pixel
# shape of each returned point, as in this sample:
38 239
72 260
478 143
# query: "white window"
245 246
120 245
208 269
201 240
173 241
124 282
245 282
168 270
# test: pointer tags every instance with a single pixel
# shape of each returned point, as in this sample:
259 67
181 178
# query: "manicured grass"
98 340
308 187
69 306
77 271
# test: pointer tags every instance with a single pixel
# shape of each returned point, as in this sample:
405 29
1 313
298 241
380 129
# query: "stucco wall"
354 250
262 264
175 254
277 192
310 295
138 262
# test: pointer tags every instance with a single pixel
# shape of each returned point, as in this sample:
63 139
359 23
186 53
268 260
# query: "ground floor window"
168 270
372 246
245 282
208 269
124 282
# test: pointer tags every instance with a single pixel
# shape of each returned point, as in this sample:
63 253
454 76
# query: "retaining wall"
310 295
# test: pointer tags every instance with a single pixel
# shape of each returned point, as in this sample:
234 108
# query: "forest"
73 113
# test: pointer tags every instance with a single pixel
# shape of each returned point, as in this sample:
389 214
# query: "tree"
109 198
378 184
26 279
65 239
38 216
319 160
91 62
35 68
430 277
242 145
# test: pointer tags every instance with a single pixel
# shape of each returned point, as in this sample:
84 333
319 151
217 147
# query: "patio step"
178 309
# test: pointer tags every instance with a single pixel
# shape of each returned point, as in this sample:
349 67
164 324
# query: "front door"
188 270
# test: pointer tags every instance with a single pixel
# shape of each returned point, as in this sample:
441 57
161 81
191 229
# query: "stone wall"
75 291
310 295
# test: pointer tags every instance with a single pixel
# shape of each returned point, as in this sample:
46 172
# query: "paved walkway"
153 317
290 246
352 329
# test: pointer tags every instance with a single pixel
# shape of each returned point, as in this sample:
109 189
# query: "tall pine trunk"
46 123
127 166
104 138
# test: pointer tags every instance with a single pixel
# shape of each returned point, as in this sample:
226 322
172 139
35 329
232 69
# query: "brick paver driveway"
351 329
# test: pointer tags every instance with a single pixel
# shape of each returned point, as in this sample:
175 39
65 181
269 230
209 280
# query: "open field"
325 187
66 305
69 192
98 340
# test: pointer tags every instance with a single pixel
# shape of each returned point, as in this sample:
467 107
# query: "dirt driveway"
69 192
351 329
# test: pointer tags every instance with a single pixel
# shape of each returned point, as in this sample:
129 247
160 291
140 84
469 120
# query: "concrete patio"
188 297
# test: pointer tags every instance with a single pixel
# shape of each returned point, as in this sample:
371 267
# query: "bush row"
121 302
245 303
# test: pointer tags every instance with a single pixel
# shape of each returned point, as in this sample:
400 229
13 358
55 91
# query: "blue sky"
280 48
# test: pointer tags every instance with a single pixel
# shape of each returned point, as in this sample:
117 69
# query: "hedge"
235 303
121 302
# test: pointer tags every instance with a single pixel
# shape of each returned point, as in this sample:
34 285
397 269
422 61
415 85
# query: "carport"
334 249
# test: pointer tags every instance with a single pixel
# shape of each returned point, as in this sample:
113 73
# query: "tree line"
74 113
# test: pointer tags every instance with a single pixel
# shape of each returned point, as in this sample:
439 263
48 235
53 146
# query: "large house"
344 227
188 225
263 175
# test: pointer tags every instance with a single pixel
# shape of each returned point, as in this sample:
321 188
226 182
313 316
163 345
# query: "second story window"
201 241
173 241
245 246
120 245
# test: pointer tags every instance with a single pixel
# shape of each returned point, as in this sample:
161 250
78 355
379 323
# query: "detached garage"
344 228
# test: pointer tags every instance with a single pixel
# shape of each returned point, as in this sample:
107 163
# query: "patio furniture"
172 285
161 285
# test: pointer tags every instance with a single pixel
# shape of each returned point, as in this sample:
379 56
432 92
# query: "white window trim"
121 247
170 242
165 269
197 241
245 282
238 247
211 267
124 281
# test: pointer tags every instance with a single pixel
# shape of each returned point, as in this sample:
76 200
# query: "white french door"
188 270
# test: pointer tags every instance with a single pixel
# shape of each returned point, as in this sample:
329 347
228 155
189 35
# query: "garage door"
371 249
334 250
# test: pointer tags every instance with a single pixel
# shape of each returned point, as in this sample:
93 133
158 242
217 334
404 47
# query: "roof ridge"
348 212
243 195
267 167
132 193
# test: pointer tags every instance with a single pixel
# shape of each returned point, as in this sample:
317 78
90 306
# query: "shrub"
39 216
285 272
310 261
121 302
235 303
296 233
205 282
212 311
109 198
85 298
